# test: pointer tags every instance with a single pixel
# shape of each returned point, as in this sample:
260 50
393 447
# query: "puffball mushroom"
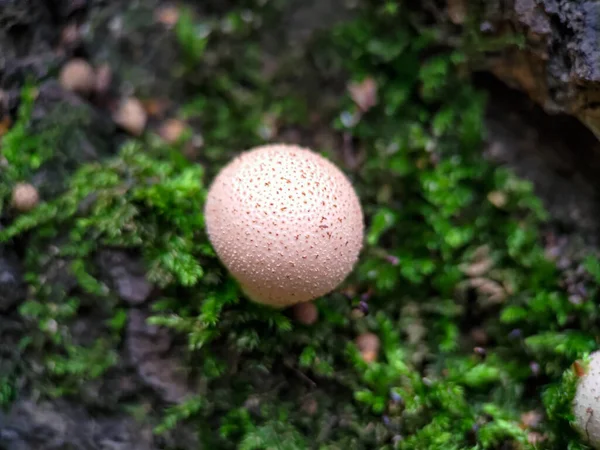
306 313
285 222
25 197
172 130
586 405
78 76
131 116
368 344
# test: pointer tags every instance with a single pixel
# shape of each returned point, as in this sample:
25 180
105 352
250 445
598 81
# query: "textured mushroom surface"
586 405
286 223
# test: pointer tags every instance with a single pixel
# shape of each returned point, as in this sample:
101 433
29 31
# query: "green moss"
21 149
8 391
267 382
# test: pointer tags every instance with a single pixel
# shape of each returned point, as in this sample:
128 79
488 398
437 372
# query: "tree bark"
558 61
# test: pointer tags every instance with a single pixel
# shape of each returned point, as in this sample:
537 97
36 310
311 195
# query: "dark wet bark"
557 62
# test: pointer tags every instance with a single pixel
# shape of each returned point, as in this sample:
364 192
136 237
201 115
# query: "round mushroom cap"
586 405
172 130
25 197
78 76
131 116
368 344
285 222
306 313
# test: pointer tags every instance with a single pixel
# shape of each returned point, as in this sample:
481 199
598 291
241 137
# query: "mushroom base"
273 303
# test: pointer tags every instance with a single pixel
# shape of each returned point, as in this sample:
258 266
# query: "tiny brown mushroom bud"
167 15
25 197
131 116
172 130
306 313
368 344
78 76
369 356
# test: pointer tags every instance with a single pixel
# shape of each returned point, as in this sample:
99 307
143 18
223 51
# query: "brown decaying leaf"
489 288
478 268
481 264
364 93
5 124
70 35
156 107
497 198
578 368
536 438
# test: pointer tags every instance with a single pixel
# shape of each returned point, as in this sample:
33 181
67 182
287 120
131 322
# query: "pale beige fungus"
286 222
25 197
78 76
368 344
586 405
306 313
131 116
172 130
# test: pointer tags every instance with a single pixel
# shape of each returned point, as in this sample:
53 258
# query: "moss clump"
475 325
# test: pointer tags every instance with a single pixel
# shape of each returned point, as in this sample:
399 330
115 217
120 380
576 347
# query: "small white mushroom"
172 130
285 222
131 116
78 76
306 313
586 405
25 197
368 344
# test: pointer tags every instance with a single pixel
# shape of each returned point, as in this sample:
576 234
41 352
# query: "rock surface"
127 276
149 349
558 64
11 281
555 152
59 425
